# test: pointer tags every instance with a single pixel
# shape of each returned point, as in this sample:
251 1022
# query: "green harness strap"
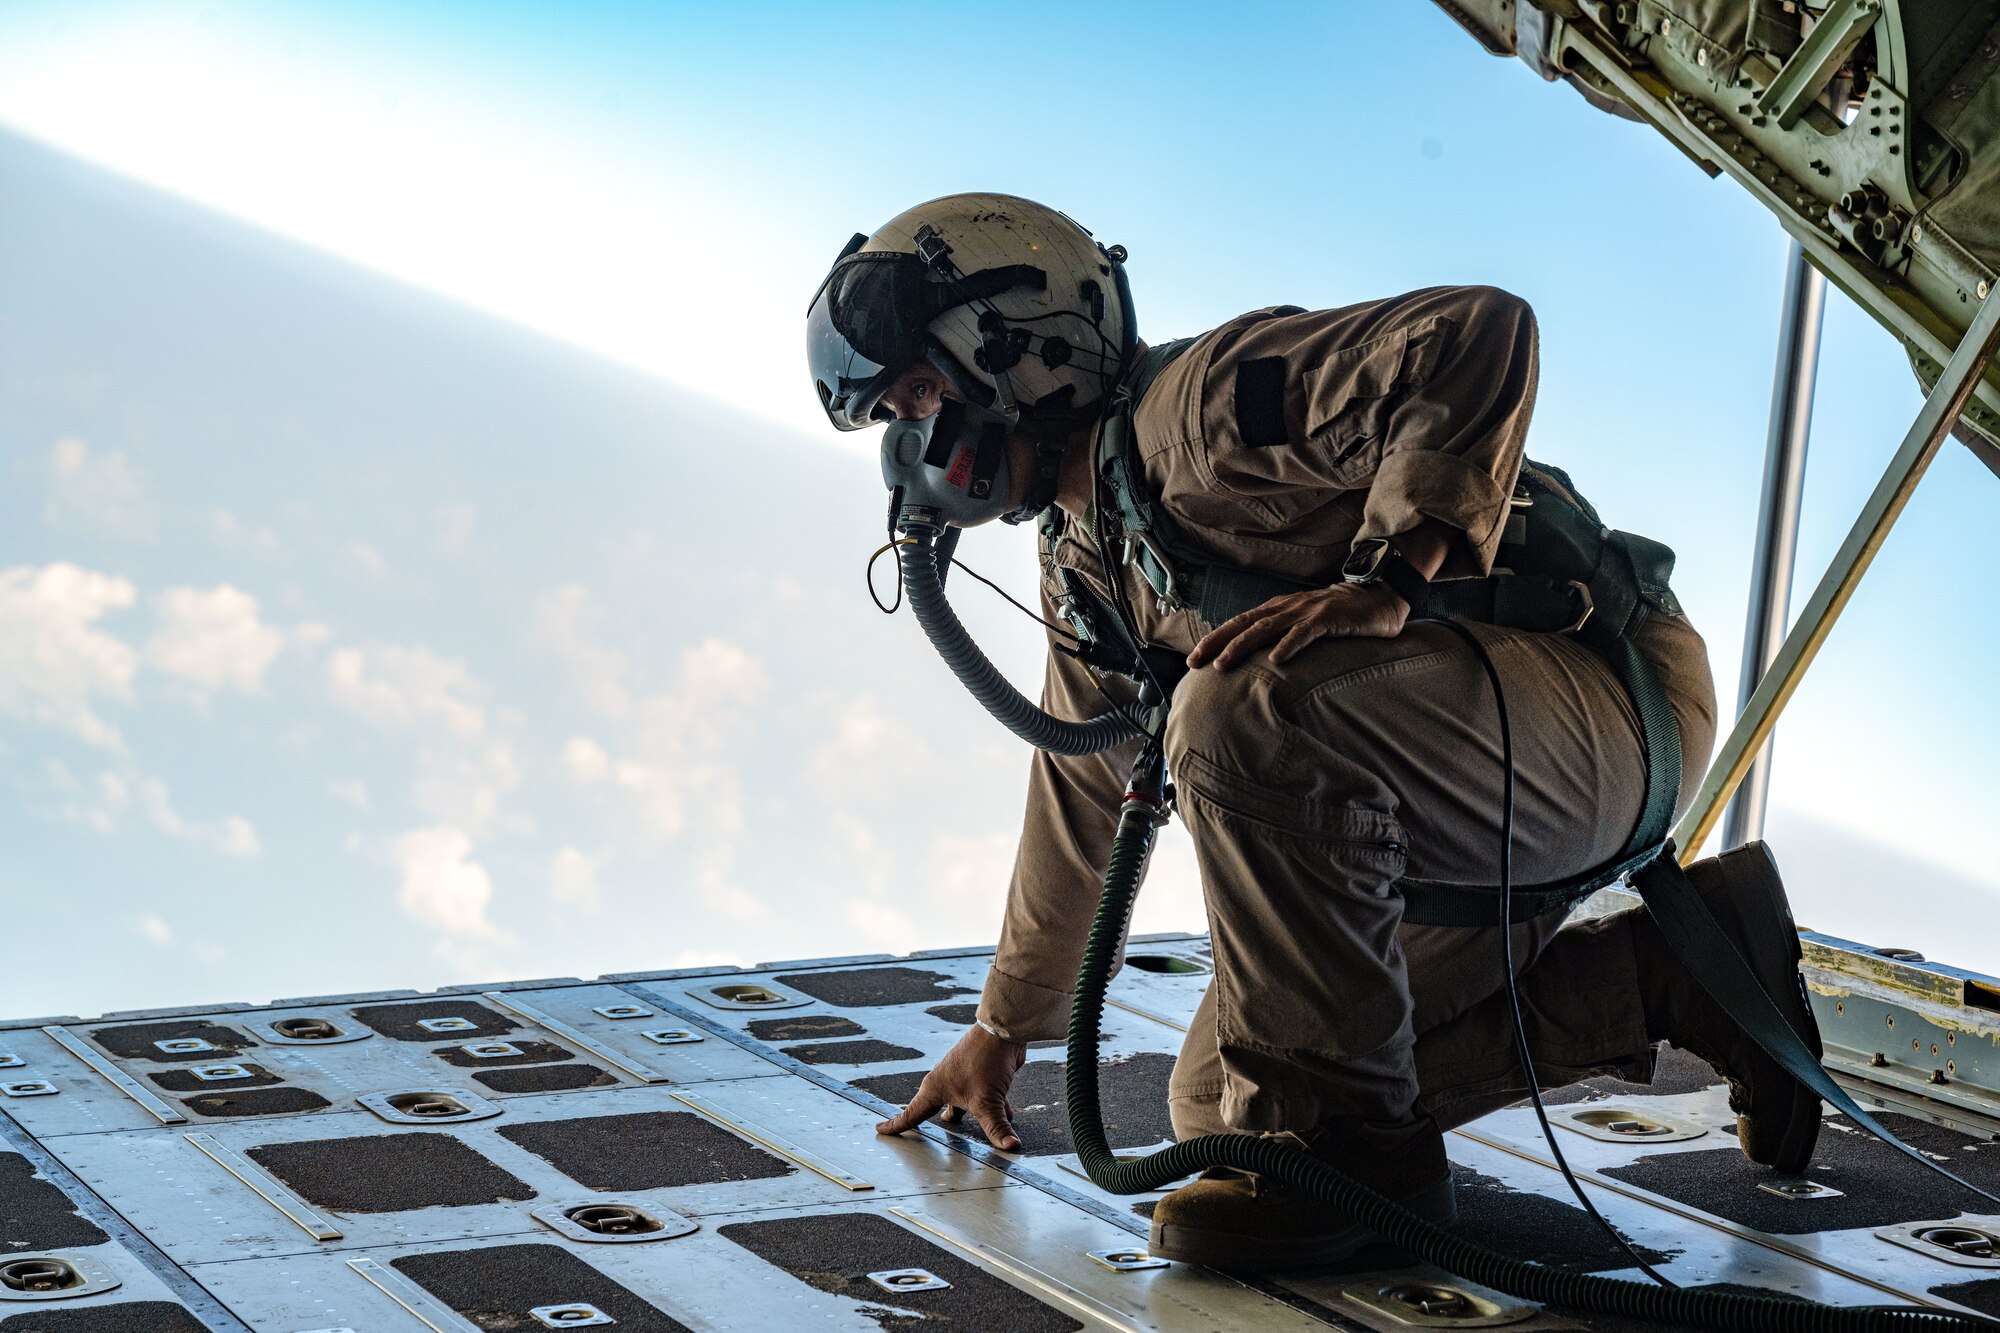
1181 575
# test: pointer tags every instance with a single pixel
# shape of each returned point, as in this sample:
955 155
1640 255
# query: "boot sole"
1771 941
1236 1253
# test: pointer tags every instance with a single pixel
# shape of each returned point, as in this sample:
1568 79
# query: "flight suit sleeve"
1071 817
1420 401
1452 449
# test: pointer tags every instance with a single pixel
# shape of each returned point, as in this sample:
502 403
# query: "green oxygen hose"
1139 818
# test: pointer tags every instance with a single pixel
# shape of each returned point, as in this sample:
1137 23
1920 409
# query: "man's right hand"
972 1078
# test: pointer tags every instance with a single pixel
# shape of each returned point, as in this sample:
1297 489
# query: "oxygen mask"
953 462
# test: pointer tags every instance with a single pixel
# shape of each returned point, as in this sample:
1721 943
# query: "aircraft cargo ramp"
695 1150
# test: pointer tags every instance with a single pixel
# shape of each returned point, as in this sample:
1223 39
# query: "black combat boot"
1243 1223
1777 1117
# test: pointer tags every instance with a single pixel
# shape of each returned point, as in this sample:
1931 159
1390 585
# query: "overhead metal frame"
1940 412
1718 144
1778 517
1819 57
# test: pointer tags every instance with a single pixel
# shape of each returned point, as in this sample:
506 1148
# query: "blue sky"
341 648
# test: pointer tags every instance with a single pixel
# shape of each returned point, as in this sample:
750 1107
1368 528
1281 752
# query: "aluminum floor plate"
740 1105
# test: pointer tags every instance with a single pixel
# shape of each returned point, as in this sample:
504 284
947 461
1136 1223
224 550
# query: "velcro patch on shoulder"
1260 402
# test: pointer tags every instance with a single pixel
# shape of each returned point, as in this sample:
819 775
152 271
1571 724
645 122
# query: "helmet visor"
868 324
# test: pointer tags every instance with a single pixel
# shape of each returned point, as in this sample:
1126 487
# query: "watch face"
1364 560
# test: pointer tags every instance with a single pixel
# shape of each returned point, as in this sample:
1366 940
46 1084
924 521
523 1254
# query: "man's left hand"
1287 624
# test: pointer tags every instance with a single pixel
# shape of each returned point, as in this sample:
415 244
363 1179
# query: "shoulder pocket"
1351 392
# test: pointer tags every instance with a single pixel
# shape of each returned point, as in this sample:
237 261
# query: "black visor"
868 325
871 321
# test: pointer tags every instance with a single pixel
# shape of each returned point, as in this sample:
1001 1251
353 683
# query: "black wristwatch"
1374 560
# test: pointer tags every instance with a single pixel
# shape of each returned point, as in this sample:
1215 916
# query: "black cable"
1677 1307
924 585
876 597
1121 607
1507 948
1049 625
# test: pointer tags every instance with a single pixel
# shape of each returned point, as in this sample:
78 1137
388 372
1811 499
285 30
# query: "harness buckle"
1583 593
1141 547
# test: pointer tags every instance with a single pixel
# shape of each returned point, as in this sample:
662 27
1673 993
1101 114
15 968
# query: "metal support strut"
1778 516
1920 445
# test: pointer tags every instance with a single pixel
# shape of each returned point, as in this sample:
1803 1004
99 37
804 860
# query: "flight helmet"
1020 310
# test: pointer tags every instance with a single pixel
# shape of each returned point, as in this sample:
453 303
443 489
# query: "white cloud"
721 893
233 534
566 619
465 786
456 523
407 687
464 961
311 631
237 837
125 799
573 878
97 493
586 760
154 930
703 958
885 927
1172 899
364 559
655 794
965 878
680 765
443 886
868 756
464 767
213 638
54 665
716 671
352 791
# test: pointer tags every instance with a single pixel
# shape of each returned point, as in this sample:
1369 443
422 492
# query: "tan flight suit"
1275 442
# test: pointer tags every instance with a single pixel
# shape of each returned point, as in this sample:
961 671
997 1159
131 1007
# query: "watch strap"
1403 579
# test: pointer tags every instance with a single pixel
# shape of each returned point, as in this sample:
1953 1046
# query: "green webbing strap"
1705 949
1148 367
1660 734
1223 591
1148 534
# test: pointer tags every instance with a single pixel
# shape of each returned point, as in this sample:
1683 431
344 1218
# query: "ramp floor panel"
123 1317
544 1078
256 1101
838 1252
405 1022
1879 1186
649 1150
390 1173
868 1051
141 1041
805 1027
498 1286
526 1053
744 1102
35 1215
